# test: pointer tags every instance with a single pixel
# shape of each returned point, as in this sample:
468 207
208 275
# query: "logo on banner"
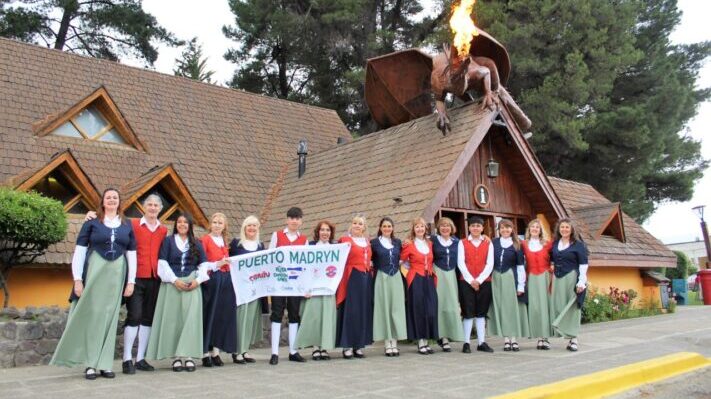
331 271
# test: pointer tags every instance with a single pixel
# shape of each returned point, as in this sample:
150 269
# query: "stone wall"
28 337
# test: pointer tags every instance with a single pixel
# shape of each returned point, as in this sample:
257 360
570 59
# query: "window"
94 118
170 210
90 124
63 180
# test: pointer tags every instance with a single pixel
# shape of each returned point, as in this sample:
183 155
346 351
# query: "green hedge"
31 218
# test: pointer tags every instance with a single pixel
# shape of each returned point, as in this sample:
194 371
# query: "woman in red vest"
219 311
536 249
475 263
354 297
421 310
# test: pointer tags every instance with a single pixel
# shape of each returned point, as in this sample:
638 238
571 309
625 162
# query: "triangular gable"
68 168
530 172
166 181
603 219
101 100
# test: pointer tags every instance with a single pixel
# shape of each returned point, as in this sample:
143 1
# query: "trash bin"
680 289
705 277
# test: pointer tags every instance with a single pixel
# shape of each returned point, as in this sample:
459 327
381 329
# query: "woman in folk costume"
445 247
389 322
421 311
249 315
218 296
570 259
508 317
177 322
318 313
536 249
354 297
104 268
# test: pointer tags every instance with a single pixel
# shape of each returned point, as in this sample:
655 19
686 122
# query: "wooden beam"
72 202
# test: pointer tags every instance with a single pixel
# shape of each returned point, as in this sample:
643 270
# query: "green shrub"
614 305
684 267
31 218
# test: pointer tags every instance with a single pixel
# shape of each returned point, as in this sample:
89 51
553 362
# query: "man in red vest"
475 263
289 236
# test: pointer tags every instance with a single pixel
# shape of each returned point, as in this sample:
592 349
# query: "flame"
463 27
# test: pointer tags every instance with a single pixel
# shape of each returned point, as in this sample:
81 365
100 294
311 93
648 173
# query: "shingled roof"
589 209
394 172
229 146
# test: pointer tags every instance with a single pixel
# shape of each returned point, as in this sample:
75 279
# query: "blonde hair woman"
249 322
421 310
508 316
445 247
218 297
354 297
536 249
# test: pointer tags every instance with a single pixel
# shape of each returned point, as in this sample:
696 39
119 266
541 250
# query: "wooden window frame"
109 111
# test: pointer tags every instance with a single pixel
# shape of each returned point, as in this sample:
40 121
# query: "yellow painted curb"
616 380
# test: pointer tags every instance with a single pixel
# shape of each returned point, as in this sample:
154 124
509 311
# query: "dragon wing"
397 87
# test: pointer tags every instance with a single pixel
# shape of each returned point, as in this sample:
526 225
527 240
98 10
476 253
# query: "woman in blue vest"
389 323
445 249
177 323
104 267
569 256
508 316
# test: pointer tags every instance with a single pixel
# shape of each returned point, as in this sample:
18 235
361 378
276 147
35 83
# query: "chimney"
302 151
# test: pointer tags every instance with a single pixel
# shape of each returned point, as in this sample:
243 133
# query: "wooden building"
72 126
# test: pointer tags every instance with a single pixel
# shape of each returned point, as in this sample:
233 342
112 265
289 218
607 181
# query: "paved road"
450 375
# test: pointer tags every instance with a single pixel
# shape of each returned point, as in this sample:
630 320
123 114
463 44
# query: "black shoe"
144 366
347 354
274 360
446 347
216 361
107 373
207 361
189 366
325 355
429 350
128 367
514 347
178 365
466 348
89 376
296 357
248 359
237 360
358 354
484 347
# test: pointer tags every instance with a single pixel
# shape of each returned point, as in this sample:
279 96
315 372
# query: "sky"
672 222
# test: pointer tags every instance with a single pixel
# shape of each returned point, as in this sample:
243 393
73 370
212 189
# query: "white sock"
206 354
215 352
388 344
276 334
393 343
144 332
480 329
293 328
129 336
421 343
468 324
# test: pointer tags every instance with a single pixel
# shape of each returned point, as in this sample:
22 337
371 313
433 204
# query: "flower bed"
616 304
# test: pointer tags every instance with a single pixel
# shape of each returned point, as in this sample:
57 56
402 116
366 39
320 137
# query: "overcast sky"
672 222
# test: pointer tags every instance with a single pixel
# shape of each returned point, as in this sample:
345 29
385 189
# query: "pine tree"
99 28
191 63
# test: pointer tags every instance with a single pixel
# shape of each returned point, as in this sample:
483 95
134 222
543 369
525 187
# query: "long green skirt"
389 307
565 312
177 323
539 305
318 322
89 339
507 316
249 325
449 316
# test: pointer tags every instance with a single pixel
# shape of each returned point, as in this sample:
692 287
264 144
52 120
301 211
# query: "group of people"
425 288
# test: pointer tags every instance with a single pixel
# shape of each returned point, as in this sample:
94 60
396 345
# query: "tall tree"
315 52
99 28
608 94
191 63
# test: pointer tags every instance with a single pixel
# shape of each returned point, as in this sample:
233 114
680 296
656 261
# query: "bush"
614 305
684 267
31 218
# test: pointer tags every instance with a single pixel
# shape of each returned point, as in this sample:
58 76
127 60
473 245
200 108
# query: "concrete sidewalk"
451 375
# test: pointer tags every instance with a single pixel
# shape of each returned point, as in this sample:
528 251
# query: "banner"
288 271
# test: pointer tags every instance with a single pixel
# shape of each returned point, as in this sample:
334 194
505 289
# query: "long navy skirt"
421 309
219 313
354 324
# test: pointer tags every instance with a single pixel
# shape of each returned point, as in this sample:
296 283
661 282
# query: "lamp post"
699 211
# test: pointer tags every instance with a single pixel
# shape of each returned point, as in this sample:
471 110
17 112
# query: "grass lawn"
694 299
